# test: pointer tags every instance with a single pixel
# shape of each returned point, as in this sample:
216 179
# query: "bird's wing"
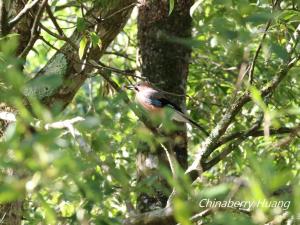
157 99
166 102
154 102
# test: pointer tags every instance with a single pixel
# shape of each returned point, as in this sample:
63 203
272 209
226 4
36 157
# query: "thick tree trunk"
11 213
64 66
165 63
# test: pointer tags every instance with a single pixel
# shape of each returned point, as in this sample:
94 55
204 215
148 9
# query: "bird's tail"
192 122
179 116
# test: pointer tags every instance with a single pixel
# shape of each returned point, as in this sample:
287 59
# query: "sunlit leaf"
171 6
82 46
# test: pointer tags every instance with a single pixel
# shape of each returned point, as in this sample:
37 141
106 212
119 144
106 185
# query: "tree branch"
67 5
68 124
210 143
68 68
60 37
22 13
252 66
54 21
34 30
255 133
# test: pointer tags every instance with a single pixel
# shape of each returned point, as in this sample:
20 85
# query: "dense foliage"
85 173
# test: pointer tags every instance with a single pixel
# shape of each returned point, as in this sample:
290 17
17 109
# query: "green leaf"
81 25
259 17
82 45
182 212
215 191
95 39
257 98
279 51
171 6
67 209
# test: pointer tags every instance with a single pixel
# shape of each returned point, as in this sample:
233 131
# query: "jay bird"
155 103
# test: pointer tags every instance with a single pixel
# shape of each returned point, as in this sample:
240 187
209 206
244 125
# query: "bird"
155 103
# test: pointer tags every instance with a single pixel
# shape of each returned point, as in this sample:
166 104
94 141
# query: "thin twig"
36 21
67 5
121 54
68 124
34 31
285 141
49 44
119 11
22 13
252 65
258 133
171 159
60 37
54 21
101 66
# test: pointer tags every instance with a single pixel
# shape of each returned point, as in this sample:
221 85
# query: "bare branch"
120 10
121 54
68 124
60 37
293 134
255 133
22 13
53 19
101 66
67 5
34 30
48 43
252 65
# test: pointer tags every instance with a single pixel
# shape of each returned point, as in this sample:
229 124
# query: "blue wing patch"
162 102
155 102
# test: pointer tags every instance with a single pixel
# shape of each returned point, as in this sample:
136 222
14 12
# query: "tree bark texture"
64 67
165 64
11 213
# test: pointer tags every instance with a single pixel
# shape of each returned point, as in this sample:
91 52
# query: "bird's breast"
145 103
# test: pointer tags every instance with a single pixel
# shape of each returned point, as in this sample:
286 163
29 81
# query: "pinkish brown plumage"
155 103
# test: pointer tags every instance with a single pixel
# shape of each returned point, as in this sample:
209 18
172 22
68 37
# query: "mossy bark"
64 69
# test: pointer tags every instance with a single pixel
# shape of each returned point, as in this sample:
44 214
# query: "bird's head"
141 86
